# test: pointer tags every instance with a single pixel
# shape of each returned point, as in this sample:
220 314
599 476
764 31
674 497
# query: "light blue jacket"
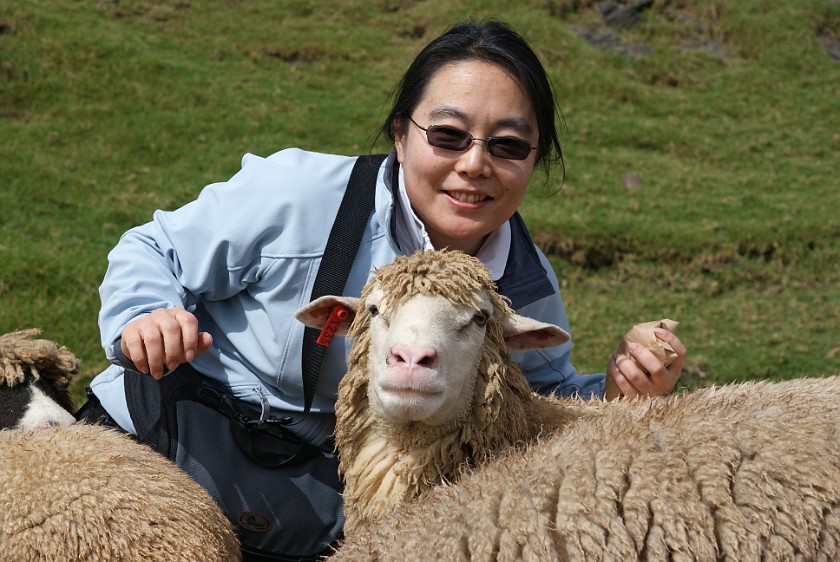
243 257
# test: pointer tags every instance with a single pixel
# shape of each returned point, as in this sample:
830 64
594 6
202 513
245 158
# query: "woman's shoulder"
297 157
294 172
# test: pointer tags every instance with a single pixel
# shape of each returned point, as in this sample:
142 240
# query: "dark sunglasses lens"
448 138
512 149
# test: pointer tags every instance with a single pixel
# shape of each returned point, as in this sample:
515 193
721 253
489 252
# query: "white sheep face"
422 331
423 357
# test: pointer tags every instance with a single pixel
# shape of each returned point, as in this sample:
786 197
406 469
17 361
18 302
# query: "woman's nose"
475 160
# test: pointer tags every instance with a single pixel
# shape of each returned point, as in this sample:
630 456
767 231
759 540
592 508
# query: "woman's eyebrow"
521 124
448 112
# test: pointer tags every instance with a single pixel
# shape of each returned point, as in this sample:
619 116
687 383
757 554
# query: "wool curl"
453 275
21 355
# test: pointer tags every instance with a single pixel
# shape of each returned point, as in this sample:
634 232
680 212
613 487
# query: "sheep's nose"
413 357
46 424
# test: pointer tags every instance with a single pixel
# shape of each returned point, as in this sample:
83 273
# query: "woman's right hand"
163 340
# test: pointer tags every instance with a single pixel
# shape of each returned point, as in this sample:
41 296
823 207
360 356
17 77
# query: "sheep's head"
34 379
425 328
430 385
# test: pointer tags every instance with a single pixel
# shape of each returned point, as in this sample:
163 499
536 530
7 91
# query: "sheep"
87 492
748 471
34 379
741 472
430 386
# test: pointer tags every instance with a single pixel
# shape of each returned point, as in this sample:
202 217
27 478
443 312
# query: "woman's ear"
399 138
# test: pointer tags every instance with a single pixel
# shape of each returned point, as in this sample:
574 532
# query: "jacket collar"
525 280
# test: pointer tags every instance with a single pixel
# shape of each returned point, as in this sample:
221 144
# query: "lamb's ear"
523 333
316 313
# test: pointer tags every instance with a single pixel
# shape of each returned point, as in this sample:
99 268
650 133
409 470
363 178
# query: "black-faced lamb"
430 386
86 492
34 378
741 472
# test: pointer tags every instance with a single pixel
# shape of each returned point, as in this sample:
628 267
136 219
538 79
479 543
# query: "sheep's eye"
481 318
373 310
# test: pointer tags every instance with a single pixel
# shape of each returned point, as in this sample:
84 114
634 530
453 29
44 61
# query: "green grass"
110 110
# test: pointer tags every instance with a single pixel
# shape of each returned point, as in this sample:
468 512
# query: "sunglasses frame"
489 142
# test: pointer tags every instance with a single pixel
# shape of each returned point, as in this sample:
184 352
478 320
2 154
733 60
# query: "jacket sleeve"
550 370
207 249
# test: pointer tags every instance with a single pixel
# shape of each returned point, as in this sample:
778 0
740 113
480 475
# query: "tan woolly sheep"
84 492
741 473
430 387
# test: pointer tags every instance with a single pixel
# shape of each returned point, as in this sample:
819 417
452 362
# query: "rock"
832 46
631 181
625 17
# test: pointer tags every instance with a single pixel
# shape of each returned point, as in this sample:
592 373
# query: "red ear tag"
337 314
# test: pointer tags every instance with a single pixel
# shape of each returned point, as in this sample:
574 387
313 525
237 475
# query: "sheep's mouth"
400 403
413 391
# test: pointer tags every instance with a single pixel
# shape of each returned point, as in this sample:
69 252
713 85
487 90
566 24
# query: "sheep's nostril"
430 361
412 357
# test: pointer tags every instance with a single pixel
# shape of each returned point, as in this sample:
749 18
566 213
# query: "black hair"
488 41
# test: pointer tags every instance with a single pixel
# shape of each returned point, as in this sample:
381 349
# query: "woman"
216 282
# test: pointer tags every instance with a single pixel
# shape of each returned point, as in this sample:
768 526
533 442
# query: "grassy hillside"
701 146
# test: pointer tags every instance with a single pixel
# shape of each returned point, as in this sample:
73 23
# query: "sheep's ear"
523 333
316 313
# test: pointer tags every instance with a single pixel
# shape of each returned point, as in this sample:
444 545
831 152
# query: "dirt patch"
615 18
302 55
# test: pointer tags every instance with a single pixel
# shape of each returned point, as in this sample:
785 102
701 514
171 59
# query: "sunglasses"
450 138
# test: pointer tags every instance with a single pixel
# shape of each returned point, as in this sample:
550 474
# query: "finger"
188 333
629 377
153 346
660 379
172 342
675 342
205 340
627 389
132 347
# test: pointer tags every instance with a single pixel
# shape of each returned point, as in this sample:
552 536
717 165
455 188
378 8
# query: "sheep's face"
34 376
423 356
34 404
430 332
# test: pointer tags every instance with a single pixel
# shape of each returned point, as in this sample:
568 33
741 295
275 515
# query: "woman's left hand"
631 380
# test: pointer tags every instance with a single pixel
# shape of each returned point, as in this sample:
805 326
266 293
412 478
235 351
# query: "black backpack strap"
149 401
339 255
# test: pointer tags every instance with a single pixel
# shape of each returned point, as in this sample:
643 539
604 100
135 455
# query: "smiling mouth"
467 197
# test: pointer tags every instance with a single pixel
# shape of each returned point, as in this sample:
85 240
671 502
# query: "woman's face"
462 197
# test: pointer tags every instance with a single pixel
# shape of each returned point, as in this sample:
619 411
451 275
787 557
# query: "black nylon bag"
282 495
